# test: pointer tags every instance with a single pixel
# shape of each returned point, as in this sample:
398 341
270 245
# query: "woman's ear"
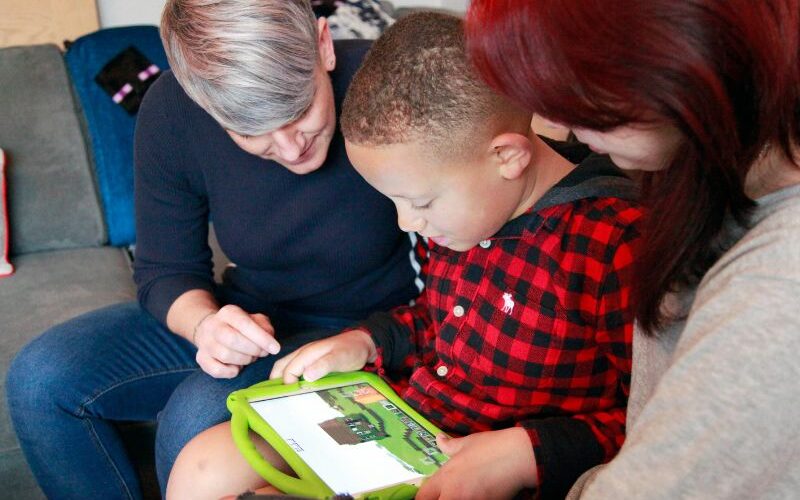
512 154
326 54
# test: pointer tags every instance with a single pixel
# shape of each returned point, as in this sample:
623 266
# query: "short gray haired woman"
260 69
242 132
254 72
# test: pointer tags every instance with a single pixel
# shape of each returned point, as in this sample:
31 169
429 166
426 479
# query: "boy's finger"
296 366
430 489
293 370
278 367
450 446
320 368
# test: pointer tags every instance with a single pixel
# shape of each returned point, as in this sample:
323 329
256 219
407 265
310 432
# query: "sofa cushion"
357 18
49 288
5 266
52 200
109 125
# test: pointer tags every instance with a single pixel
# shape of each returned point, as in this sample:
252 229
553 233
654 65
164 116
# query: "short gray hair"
249 63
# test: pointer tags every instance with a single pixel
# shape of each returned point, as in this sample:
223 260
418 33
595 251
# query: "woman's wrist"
197 325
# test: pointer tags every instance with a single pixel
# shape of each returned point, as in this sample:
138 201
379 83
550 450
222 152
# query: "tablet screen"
353 438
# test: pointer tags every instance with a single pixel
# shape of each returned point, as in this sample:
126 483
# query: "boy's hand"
495 464
345 352
230 339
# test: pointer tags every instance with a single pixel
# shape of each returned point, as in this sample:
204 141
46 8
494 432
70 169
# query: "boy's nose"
409 222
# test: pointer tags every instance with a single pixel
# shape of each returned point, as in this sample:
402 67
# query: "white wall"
460 5
449 4
128 12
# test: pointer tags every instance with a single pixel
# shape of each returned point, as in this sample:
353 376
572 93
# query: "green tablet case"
307 483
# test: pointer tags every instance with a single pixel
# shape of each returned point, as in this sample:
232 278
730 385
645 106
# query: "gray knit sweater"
714 410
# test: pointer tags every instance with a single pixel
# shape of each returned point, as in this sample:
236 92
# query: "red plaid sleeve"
399 333
400 336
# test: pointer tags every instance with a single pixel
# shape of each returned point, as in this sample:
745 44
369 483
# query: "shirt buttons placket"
458 311
485 243
441 371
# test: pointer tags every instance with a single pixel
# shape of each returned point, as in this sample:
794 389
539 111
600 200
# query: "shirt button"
485 244
458 311
441 371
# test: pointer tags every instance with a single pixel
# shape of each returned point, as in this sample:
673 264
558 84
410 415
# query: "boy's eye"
422 207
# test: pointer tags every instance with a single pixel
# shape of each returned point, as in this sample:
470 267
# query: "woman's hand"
348 351
495 464
230 339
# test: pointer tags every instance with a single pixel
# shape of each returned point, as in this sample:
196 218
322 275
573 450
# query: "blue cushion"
110 127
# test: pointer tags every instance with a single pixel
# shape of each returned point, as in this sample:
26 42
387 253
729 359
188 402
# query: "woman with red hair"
703 96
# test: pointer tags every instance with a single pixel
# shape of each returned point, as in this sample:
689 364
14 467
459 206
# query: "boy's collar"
595 177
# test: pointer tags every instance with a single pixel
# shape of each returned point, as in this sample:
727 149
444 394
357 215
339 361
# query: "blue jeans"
67 388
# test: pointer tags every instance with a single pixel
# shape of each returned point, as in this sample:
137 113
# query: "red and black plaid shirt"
532 328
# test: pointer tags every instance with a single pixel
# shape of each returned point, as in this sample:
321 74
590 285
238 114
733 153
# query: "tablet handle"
284 482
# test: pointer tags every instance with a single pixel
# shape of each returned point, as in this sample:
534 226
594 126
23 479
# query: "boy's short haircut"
416 84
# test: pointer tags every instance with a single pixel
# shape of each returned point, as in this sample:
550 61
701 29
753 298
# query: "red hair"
724 72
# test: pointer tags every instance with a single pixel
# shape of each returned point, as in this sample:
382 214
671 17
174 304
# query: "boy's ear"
512 153
326 54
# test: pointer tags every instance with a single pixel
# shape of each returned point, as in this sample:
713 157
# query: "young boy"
521 340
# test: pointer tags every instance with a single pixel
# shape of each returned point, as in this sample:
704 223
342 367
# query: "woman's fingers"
259 331
216 368
233 337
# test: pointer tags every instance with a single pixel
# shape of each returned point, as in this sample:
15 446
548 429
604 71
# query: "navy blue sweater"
323 243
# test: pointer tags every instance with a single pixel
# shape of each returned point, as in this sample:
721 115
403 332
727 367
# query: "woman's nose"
291 144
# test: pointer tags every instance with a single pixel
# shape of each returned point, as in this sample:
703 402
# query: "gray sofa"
63 266
59 246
